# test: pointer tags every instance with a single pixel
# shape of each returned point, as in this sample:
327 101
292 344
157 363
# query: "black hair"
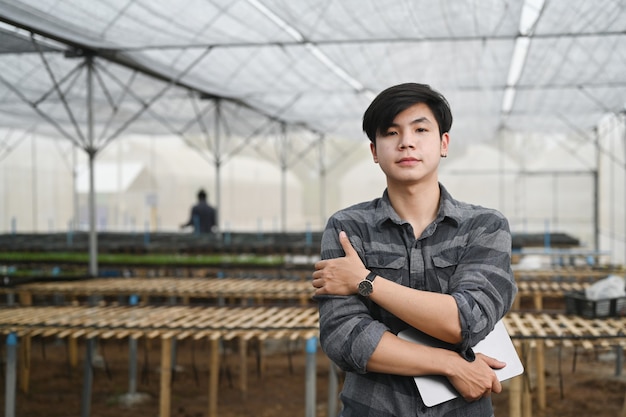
201 195
394 100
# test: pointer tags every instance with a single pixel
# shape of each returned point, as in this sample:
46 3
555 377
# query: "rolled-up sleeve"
483 284
348 333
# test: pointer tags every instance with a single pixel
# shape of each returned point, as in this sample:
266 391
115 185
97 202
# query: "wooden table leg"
166 377
520 399
515 396
538 301
515 386
214 375
243 367
24 363
516 303
26 298
527 406
72 348
541 374
261 357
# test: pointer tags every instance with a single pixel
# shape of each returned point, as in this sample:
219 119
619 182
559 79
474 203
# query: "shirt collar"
448 209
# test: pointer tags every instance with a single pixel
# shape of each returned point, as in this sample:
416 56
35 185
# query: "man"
413 258
203 217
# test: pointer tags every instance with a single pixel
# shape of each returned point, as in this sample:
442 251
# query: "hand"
475 380
340 276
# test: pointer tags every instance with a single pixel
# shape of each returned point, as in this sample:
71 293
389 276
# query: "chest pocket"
445 264
388 265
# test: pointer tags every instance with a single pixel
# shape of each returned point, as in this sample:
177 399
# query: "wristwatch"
366 287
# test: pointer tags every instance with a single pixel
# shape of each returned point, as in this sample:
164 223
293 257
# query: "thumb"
494 363
345 243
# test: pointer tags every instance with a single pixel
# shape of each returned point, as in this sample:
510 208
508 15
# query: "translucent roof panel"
158 66
575 61
579 17
159 23
467 63
327 21
554 109
250 70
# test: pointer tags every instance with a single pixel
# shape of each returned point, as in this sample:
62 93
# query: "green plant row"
134 259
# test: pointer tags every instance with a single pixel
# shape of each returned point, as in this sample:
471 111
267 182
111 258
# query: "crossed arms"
358 342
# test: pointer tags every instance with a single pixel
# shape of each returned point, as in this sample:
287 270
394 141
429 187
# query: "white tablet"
436 389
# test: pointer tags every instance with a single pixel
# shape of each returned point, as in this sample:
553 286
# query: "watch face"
365 288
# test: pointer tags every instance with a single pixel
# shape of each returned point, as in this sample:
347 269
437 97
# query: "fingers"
493 362
496 387
478 379
345 243
484 392
339 276
317 279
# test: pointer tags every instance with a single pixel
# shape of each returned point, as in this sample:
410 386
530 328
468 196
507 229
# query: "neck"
417 204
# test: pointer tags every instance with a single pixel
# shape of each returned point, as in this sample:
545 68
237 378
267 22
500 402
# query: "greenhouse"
115 113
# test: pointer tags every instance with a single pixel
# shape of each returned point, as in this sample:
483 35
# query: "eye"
390 133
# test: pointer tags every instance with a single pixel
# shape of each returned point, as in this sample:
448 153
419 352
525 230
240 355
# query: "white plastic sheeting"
535 86
316 63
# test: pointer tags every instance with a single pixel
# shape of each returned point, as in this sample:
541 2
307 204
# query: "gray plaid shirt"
465 252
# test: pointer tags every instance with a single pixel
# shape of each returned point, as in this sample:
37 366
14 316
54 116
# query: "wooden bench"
536 331
166 324
182 290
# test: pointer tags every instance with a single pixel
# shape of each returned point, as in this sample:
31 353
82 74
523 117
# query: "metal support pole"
132 366
93 240
596 195
11 375
91 151
85 404
283 178
323 192
10 299
311 350
132 358
619 359
218 165
624 183
34 183
172 302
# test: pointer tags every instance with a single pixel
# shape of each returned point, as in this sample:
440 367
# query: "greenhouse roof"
270 66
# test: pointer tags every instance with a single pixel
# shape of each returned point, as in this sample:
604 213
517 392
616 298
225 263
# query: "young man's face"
410 149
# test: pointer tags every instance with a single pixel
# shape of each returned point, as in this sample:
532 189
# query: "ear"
445 141
373 150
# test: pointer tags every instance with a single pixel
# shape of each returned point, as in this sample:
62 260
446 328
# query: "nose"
406 141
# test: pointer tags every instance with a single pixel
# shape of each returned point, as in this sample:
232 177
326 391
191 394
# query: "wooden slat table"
259 290
564 274
554 283
231 271
164 323
527 329
540 289
540 330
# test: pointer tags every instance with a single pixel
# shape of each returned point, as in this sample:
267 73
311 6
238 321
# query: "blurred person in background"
203 217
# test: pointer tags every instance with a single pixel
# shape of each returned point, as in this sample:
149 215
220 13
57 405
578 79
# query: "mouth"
407 161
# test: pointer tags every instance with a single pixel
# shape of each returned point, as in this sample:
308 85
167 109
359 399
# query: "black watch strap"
370 277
